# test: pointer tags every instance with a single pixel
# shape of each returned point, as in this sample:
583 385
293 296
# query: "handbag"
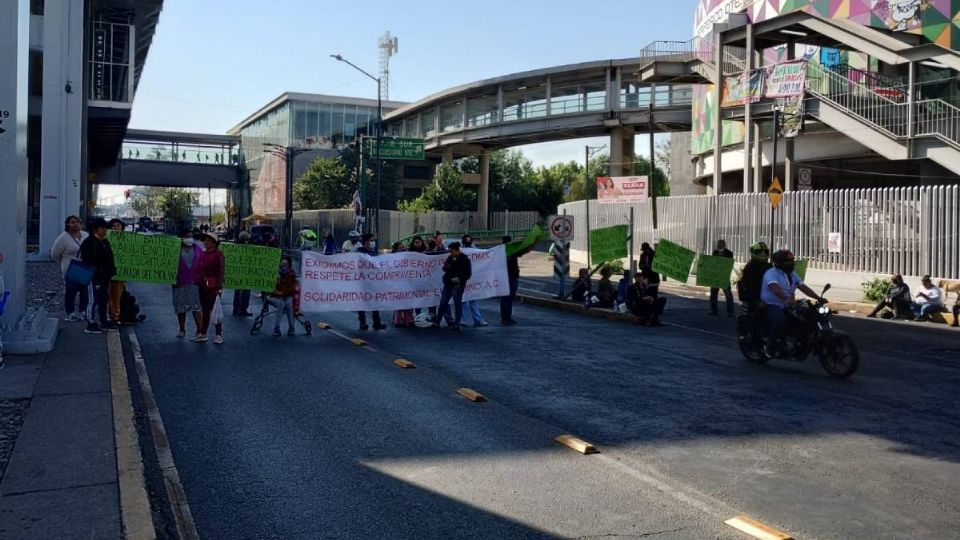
80 272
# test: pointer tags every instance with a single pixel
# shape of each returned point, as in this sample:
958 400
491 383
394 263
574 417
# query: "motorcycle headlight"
823 310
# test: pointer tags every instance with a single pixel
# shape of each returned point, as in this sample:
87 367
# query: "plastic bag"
216 316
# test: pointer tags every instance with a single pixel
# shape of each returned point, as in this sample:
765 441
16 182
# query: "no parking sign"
560 228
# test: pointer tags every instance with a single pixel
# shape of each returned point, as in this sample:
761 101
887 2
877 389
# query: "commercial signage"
622 189
150 258
397 148
406 280
608 244
742 89
673 260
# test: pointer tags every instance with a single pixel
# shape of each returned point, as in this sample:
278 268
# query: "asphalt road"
315 437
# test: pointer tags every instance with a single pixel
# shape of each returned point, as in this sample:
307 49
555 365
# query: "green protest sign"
250 267
800 267
152 258
713 271
536 234
608 244
673 260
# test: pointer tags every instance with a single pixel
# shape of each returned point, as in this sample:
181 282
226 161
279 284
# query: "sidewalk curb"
136 516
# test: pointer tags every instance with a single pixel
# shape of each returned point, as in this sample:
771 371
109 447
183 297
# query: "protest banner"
622 189
742 89
405 280
535 235
712 271
608 244
150 258
673 260
250 267
791 116
786 79
800 267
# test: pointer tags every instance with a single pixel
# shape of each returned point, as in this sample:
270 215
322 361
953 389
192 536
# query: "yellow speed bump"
404 363
358 342
756 529
323 326
577 444
471 394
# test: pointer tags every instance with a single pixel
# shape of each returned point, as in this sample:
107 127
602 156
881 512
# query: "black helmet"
782 257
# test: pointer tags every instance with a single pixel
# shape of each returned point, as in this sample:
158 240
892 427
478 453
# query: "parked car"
262 234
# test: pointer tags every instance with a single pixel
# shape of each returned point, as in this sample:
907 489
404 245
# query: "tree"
219 218
327 183
144 201
662 156
177 204
445 193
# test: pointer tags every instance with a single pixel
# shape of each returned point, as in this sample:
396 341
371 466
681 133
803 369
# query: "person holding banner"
721 251
241 297
186 292
366 247
472 307
116 287
457 271
210 269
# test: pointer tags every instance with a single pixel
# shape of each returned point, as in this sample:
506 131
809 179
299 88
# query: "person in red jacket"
210 281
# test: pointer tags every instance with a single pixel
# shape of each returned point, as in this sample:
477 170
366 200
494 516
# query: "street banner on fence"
405 280
608 244
800 267
250 267
151 258
786 79
535 235
835 242
622 189
743 88
712 271
673 260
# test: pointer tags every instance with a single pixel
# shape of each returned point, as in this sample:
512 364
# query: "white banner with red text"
406 280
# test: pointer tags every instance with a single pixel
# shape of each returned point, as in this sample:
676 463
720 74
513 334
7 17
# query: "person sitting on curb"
643 300
956 312
606 294
622 287
897 298
582 287
929 300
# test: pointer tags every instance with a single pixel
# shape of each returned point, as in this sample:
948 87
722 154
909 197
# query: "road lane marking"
404 363
579 445
471 394
323 326
756 529
176 495
358 342
134 502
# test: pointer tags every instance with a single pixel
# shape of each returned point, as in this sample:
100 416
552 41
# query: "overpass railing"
913 230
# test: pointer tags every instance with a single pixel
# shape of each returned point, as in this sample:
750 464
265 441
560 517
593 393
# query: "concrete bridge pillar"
621 151
483 193
14 56
448 155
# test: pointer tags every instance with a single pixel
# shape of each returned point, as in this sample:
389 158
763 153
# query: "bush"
875 289
615 266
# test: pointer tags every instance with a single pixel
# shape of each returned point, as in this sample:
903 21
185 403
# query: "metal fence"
909 230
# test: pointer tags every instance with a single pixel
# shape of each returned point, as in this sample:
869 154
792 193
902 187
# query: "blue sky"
214 62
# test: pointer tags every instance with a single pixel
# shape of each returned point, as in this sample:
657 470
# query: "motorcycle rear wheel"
751 350
840 358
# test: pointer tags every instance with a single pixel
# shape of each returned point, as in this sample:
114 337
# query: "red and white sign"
406 280
622 189
561 228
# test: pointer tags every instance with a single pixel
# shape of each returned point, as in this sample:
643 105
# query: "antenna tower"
388 47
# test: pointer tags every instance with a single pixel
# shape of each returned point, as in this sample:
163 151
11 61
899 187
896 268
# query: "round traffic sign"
561 228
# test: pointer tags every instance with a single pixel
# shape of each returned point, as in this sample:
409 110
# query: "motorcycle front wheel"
840 357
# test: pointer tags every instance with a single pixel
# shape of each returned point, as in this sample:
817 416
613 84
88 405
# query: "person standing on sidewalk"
241 297
116 287
96 252
721 251
456 272
472 307
210 280
366 248
66 248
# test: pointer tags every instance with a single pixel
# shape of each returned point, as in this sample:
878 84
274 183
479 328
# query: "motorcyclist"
751 278
777 294
308 238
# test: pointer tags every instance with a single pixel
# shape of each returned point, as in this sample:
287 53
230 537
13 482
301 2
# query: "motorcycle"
809 331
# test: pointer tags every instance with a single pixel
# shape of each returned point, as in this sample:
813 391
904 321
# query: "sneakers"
508 322
291 332
110 327
218 340
93 328
181 334
199 338
276 332
73 317
481 323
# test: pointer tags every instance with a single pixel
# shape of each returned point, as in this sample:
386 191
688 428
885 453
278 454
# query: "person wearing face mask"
116 287
780 284
96 252
897 298
471 308
186 293
352 243
283 295
210 270
65 249
366 247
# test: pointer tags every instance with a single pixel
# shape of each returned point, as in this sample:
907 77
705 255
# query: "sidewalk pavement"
61 480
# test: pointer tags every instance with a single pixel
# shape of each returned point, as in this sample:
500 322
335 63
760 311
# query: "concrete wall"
682 169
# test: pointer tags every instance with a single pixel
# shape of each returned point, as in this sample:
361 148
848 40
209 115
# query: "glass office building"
316 122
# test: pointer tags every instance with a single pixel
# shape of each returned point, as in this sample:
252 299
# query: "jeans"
449 292
283 305
924 310
208 297
715 296
473 309
506 302
241 301
777 322
101 292
71 290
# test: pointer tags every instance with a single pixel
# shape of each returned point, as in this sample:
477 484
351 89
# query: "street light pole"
287 153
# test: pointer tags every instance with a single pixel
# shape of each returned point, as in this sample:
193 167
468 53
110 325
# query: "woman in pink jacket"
186 295
210 281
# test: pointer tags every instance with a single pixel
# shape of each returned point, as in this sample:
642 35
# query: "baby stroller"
267 309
